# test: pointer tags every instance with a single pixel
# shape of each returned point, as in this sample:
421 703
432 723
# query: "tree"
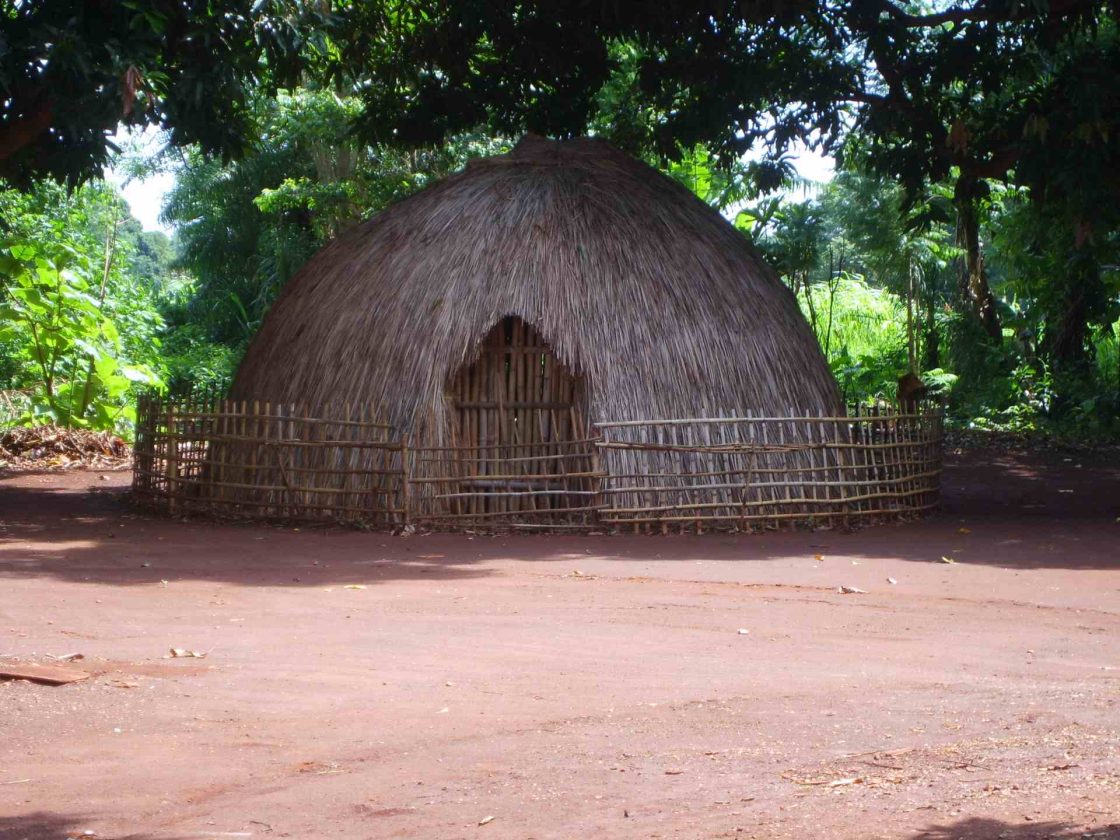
871 277
72 70
965 94
77 322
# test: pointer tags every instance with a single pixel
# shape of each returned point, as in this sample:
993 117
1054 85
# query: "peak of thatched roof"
662 305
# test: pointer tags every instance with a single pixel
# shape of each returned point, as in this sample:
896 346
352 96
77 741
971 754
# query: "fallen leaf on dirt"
798 781
818 556
183 653
852 590
891 581
854 780
1063 766
355 586
945 559
320 768
124 684
673 772
485 820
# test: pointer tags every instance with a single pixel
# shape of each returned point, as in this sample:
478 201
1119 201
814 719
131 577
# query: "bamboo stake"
406 497
172 465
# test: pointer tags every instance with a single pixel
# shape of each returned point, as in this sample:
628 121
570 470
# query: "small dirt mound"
55 447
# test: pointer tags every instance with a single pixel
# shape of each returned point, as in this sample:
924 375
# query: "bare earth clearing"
364 686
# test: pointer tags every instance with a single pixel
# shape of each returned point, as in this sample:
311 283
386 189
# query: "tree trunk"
933 340
1068 333
974 279
1071 333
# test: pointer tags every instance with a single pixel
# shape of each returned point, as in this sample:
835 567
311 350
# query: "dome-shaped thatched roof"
663 307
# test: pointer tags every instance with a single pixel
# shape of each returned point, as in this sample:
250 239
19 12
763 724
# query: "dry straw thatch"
650 295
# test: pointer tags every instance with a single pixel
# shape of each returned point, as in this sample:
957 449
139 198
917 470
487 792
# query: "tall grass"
1108 357
862 331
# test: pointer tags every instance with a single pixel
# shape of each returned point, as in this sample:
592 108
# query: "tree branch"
23 130
937 19
995 167
981 12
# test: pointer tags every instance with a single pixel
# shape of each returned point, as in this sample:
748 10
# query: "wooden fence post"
171 468
596 462
405 480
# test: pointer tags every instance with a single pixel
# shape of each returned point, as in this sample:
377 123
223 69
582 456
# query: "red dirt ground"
359 685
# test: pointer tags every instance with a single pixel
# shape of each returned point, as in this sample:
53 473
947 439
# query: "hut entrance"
520 437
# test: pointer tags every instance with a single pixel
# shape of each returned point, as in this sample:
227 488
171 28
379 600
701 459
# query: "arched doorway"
517 424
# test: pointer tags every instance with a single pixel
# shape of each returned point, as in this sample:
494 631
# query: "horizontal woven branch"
266 461
618 424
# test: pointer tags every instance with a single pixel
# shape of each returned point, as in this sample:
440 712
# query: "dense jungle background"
969 232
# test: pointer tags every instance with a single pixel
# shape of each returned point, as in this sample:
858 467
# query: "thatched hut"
535 292
559 337
498 323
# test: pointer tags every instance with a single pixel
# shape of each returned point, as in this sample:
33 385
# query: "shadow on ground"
979 828
1000 510
49 825
45 825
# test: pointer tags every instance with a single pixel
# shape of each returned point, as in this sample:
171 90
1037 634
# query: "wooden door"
519 429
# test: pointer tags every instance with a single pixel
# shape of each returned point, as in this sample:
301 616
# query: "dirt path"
365 686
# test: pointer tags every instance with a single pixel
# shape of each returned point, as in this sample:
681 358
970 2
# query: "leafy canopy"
72 70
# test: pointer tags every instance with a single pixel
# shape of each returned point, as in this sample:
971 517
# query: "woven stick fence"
274 461
744 472
266 460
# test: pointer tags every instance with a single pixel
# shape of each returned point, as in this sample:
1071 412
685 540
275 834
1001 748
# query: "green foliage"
77 327
980 184
854 256
948 101
862 330
71 70
1058 293
193 361
676 73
